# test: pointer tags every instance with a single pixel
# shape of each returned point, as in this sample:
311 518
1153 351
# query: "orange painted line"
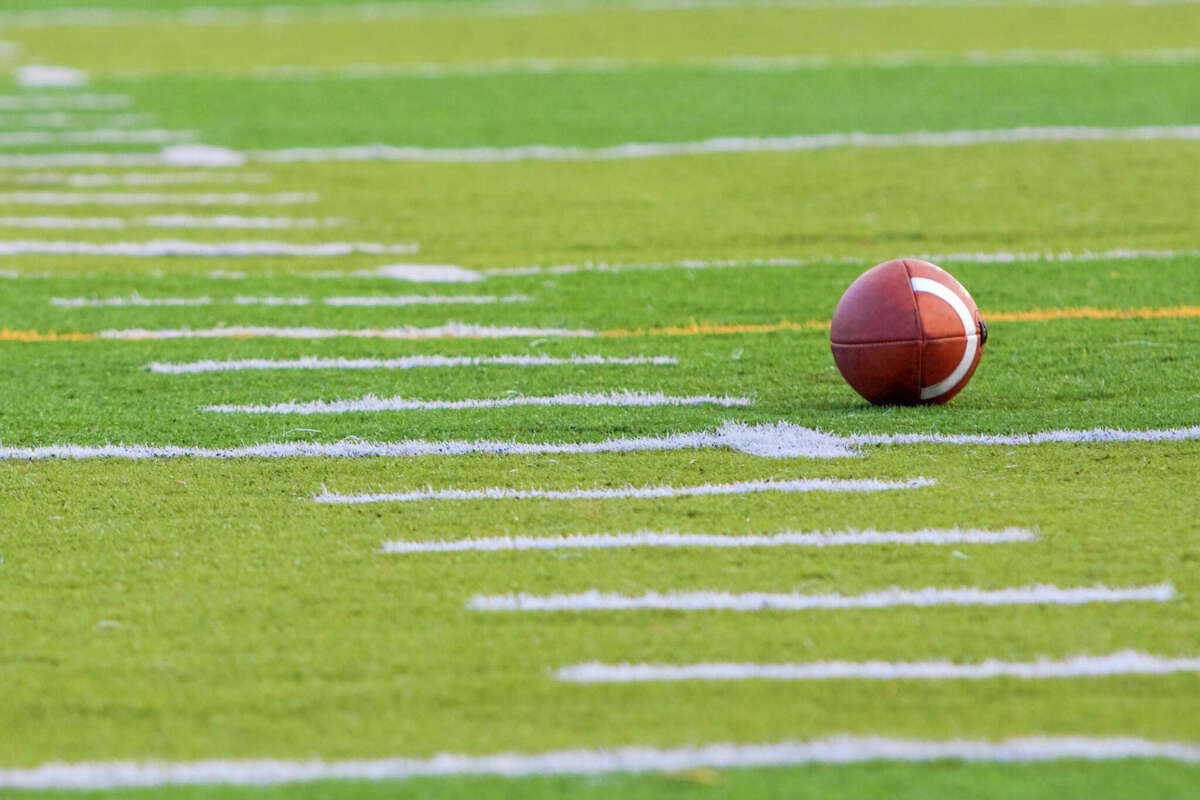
8 335
702 328
1086 312
1036 315
695 328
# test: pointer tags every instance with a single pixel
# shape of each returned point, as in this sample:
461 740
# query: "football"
907 333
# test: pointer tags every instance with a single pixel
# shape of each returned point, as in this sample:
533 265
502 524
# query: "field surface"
435 400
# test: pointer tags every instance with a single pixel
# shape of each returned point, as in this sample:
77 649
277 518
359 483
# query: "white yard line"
631 150
378 12
1019 439
995 257
426 300
835 750
100 136
776 144
154 198
235 222
54 100
796 486
88 180
594 600
768 441
742 63
70 119
1127 662
130 301
172 247
35 76
176 221
403 362
600 541
451 330
371 403
64 223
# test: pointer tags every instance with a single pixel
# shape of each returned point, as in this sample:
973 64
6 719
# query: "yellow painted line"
1086 312
703 328
8 335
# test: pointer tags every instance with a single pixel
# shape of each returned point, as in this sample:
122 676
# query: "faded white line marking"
89 180
1126 662
958 138
130 301
154 198
233 221
796 486
742 63
64 223
172 247
766 601
1119 254
70 119
403 362
635 759
371 403
425 273
40 102
426 300
378 12
100 136
601 541
37 75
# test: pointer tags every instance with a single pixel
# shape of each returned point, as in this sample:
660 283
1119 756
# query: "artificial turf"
183 609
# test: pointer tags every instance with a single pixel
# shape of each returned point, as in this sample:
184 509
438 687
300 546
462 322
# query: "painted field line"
403 362
769 441
54 100
136 300
370 403
695 328
179 221
782 440
742 63
130 301
70 119
602 541
1088 312
797 486
33 76
451 330
426 300
379 12
1040 594
153 198
233 221
90 180
1093 435
776 144
635 759
174 247
1126 662
1002 257
63 223
100 136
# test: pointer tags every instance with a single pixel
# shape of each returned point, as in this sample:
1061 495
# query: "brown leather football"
907 333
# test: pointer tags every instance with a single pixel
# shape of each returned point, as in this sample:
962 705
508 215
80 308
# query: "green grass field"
193 609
